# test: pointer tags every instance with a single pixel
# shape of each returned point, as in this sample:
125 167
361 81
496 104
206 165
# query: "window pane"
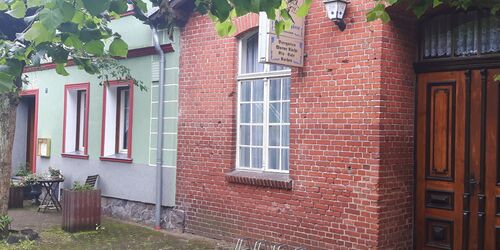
466 34
285 136
257 113
257 135
245 113
490 32
285 155
258 90
274 112
275 90
274 135
274 158
252 54
276 67
125 119
245 135
286 89
244 157
286 112
257 157
245 91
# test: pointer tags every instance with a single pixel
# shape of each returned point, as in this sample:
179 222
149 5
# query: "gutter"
159 135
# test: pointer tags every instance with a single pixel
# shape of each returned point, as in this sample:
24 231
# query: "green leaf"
118 48
6 83
436 3
73 41
51 19
17 9
38 34
226 28
221 9
3 5
96 7
118 6
34 3
67 10
61 70
304 8
497 78
95 47
142 5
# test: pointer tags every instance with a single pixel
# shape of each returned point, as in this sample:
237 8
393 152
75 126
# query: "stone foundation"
171 217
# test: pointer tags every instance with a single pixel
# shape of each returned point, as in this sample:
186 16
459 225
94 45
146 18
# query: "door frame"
33 93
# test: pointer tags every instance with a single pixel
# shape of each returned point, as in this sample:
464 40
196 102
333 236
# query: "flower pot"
16 197
81 210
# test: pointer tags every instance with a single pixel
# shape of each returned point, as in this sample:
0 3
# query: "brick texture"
351 135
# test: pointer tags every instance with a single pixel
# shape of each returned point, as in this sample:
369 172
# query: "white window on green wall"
263 136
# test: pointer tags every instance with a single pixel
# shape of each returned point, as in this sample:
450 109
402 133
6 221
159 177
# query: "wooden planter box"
16 197
81 210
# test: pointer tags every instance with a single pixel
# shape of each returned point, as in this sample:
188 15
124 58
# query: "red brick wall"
397 128
342 105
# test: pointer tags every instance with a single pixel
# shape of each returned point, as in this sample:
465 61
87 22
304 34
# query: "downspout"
159 135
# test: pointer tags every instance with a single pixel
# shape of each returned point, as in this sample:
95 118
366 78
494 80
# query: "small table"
49 200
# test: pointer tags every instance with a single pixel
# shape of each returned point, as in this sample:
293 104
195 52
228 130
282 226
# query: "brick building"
323 156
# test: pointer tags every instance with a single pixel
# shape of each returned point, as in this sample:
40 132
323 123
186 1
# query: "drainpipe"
159 136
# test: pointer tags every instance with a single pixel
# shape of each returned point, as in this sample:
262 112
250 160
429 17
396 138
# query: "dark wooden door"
457 167
30 133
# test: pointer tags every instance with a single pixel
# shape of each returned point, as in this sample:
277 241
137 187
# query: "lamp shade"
335 9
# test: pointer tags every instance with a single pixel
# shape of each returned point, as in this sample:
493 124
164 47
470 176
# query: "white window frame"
267 75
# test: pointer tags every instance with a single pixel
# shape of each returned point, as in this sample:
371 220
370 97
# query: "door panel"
440 160
492 162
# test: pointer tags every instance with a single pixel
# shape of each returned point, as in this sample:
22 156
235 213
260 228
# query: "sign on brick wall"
285 49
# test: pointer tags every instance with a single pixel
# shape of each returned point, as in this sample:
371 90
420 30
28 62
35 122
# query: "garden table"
49 199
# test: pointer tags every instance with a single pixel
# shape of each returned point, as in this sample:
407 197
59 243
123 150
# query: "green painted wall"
137 35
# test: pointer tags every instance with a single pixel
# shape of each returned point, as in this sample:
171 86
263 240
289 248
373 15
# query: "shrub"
81 187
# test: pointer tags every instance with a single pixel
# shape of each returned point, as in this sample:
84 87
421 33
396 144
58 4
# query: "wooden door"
440 160
458 177
30 133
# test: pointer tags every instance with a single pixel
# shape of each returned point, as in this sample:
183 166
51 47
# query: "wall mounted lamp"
335 10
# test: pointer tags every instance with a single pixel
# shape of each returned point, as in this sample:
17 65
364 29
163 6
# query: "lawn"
113 234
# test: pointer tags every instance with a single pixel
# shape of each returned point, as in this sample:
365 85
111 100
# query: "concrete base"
172 218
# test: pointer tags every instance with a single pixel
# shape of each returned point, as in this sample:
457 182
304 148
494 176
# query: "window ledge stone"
260 179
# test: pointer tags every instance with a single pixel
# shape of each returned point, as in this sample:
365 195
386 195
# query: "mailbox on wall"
43 148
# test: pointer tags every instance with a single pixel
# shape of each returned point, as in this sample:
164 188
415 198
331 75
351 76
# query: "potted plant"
24 170
81 208
55 173
16 194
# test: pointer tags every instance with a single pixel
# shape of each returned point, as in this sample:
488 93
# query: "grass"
111 235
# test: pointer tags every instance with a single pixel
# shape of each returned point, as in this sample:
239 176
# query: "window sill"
260 179
116 158
75 155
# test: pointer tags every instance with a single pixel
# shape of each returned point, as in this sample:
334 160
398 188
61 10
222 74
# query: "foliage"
31 179
24 170
419 8
81 187
222 12
5 223
26 245
59 30
16 183
54 172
